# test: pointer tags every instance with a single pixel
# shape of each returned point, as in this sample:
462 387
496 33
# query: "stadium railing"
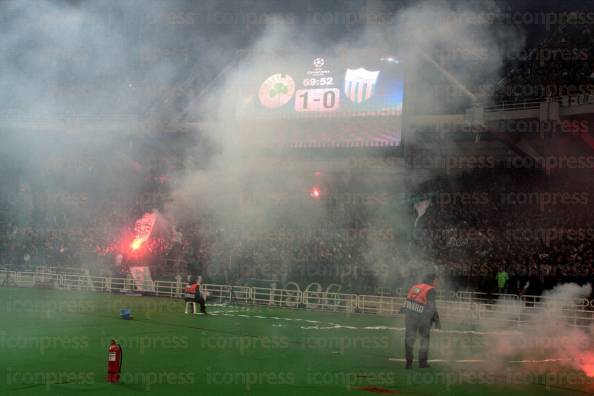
463 307
330 301
379 304
524 105
274 297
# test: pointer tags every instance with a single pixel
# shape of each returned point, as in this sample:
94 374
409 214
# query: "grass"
55 342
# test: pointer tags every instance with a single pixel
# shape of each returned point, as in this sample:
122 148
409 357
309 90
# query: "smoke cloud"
91 90
554 330
263 200
86 92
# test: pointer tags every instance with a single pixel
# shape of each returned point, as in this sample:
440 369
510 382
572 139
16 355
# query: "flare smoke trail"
550 333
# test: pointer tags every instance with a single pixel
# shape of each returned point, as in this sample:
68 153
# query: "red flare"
586 362
315 192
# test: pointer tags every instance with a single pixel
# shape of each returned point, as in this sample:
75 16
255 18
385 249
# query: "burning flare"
143 229
137 243
586 363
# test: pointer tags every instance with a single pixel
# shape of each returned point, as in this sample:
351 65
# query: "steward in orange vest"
190 296
420 313
190 292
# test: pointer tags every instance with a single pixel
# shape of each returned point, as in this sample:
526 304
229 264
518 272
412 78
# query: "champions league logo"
359 84
318 68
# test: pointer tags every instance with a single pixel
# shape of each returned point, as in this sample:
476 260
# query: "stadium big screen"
354 99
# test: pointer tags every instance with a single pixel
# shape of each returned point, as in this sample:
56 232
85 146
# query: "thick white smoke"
94 65
86 88
555 329
446 32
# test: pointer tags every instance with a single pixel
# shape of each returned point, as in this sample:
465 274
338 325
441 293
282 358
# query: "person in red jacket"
420 313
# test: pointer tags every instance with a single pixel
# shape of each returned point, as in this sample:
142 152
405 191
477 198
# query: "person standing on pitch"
420 313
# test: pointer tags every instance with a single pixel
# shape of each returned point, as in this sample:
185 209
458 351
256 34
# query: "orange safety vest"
416 299
418 293
190 291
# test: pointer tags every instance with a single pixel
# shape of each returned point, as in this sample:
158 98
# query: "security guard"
190 296
421 311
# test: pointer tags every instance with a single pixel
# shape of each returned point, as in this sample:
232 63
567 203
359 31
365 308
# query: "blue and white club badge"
359 84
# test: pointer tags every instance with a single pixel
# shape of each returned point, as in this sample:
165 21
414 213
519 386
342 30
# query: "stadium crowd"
559 65
477 224
534 228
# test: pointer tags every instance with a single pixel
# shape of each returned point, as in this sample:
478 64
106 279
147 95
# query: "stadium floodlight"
451 78
390 59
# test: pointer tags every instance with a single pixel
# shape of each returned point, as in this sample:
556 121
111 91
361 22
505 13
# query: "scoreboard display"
338 87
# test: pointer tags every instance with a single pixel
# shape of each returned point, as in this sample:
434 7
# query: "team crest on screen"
276 90
359 84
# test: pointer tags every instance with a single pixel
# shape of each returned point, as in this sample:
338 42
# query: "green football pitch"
55 342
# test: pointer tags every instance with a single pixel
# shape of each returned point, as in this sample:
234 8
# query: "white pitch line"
444 360
541 361
470 361
334 326
484 361
465 332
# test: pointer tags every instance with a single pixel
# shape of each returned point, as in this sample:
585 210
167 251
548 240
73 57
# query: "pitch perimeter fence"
469 308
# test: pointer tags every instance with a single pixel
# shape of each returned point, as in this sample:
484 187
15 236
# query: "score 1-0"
317 99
